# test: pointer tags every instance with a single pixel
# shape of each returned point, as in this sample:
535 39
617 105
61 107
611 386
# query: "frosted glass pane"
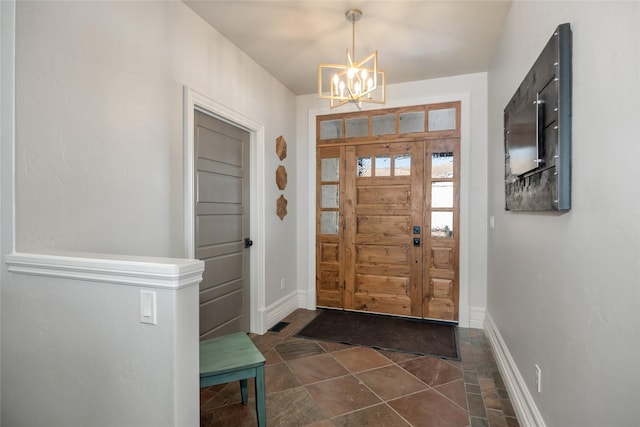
364 166
402 166
383 165
412 122
330 196
442 195
442 119
442 165
329 222
383 125
356 127
441 224
330 129
330 169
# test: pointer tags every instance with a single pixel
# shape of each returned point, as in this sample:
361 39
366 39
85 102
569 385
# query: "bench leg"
260 399
243 391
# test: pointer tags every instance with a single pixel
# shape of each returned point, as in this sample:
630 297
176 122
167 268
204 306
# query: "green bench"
233 357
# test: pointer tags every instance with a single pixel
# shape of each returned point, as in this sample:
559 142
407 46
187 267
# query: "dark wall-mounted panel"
537 132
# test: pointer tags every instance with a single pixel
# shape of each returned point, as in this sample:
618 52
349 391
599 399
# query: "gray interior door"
222 224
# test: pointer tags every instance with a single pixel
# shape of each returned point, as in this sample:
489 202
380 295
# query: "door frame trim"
464 97
194 100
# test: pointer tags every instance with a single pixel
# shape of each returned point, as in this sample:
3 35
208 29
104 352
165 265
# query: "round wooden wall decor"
281 177
281 207
281 147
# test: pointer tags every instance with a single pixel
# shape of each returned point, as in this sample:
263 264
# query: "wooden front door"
387 213
383 202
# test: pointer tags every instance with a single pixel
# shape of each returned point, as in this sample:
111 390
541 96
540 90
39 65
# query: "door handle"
416 241
248 242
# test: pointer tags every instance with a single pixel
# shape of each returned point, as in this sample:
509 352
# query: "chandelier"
354 82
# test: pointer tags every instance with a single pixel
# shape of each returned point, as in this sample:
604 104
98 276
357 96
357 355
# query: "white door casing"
194 100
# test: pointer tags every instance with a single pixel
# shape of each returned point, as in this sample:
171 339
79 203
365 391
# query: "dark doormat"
416 336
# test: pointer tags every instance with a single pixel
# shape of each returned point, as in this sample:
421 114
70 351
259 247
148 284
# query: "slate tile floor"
316 383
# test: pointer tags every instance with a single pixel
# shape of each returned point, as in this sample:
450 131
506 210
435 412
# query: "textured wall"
100 122
99 168
75 352
100 128
563 290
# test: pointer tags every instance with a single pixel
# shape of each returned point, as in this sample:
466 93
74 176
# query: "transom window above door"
433 120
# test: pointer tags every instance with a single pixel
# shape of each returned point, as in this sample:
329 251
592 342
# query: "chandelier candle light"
354 82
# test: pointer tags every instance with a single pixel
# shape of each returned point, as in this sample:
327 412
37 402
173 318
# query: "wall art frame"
537 132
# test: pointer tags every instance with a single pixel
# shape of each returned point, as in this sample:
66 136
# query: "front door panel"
383 269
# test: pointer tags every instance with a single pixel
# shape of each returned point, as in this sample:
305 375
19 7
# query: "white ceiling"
415 40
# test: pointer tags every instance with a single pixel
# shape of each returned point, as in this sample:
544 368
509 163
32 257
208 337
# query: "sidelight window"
329 195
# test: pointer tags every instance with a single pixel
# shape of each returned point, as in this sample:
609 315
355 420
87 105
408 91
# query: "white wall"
74 349
100 128
472 90
7 92
99 124
564 290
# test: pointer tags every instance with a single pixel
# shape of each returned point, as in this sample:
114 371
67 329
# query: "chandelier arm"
355 100
351 94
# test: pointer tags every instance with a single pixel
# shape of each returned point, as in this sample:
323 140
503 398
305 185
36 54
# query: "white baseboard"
279 310
526 409
476 317
307 300
471 317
